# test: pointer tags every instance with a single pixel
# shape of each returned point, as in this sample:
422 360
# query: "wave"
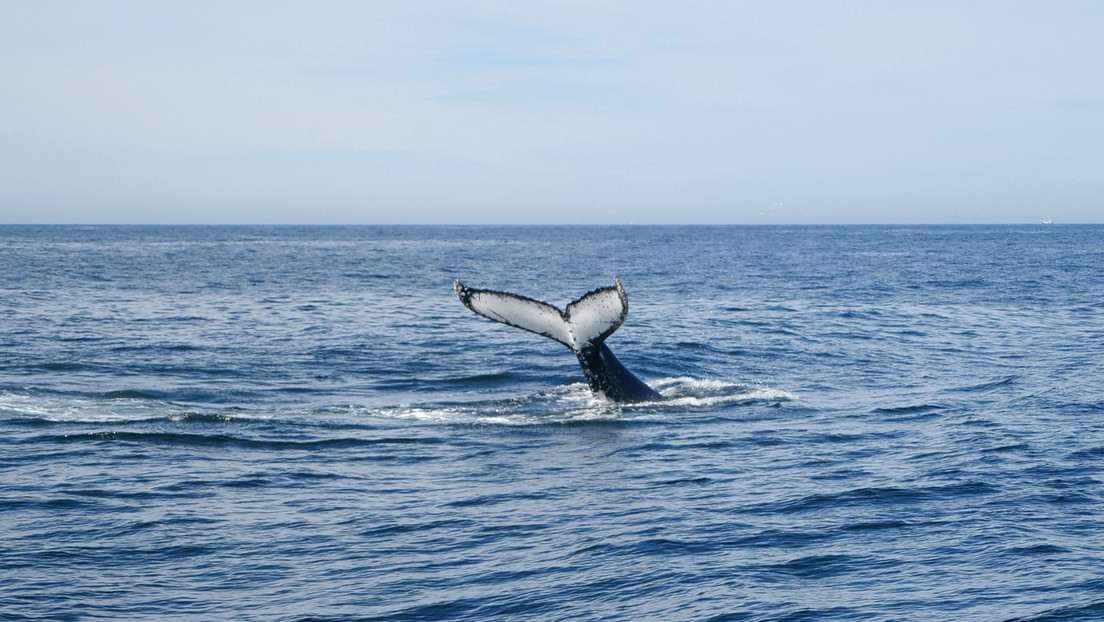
569 403
692 392
575 403
119 407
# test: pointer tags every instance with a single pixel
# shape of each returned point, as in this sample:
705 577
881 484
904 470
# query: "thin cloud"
551 112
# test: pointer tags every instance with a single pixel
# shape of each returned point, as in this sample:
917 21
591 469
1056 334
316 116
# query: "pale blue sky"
551 112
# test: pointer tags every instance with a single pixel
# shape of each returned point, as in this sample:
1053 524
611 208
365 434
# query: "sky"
586 112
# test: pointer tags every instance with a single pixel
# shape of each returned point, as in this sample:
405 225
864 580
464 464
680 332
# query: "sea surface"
303 423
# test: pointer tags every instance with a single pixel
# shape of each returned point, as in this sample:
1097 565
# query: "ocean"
304 423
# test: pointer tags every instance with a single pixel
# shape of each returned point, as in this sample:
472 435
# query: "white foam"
67 408
576 403
698 393
59 408
570 403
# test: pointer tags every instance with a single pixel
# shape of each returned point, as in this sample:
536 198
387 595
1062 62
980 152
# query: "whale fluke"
582 326
591 318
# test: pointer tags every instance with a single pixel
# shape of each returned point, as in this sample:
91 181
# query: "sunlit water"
858 423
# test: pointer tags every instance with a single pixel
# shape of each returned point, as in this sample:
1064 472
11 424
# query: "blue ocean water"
296 423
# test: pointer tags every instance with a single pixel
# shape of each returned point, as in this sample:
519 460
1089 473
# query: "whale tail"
583 324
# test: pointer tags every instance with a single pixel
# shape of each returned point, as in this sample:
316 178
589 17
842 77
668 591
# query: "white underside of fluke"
590 319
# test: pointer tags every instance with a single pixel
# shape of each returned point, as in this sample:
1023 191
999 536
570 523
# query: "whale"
583 326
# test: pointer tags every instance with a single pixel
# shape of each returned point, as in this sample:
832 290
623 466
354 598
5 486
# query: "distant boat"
1048 222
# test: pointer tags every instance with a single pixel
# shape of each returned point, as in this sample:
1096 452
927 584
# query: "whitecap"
575 403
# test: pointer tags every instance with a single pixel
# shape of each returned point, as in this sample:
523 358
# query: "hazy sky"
551 112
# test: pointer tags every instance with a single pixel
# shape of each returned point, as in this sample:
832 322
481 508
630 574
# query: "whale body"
582 326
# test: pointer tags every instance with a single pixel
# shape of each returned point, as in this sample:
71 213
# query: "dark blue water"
859 423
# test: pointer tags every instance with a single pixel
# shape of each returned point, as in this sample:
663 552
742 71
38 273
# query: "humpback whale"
582 326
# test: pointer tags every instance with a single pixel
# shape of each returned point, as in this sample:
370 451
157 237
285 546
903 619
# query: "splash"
575 403
119 407
51 406
702 393
682 398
